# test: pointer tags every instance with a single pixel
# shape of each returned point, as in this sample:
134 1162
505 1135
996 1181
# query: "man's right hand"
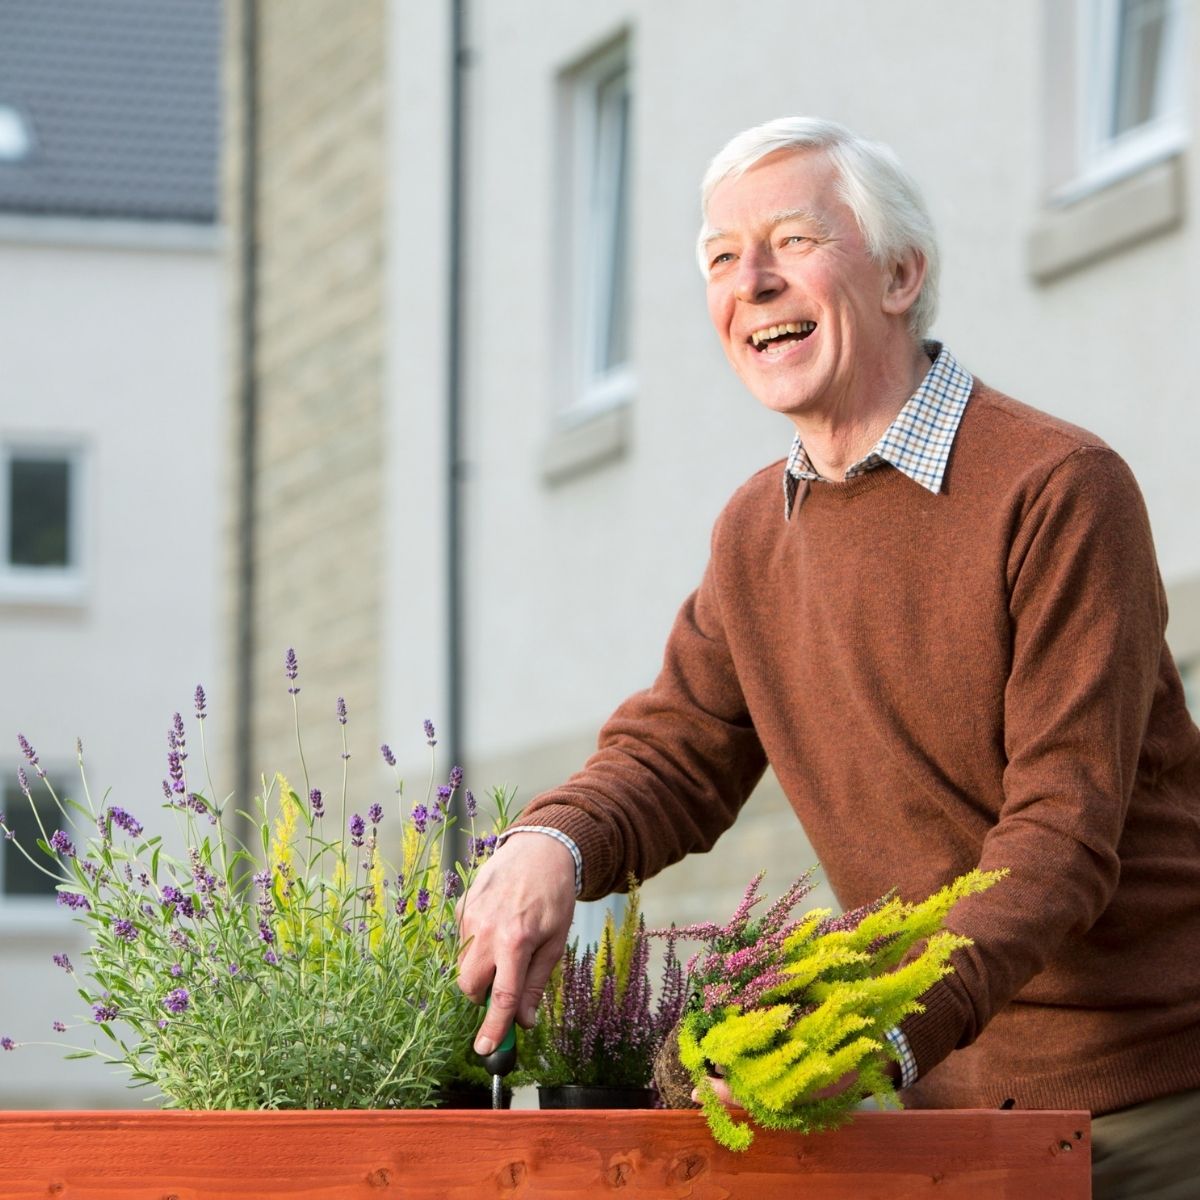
515 920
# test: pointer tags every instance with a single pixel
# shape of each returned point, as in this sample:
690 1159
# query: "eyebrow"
775 220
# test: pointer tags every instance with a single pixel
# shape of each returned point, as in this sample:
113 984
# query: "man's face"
805 316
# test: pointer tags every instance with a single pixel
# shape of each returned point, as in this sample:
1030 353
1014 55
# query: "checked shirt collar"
917 442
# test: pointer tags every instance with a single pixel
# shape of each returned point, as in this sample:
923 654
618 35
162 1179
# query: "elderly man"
941 622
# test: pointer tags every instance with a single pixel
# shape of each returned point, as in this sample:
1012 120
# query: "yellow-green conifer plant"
784 1009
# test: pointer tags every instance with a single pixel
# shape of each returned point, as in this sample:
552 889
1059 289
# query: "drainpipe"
456 741
247 408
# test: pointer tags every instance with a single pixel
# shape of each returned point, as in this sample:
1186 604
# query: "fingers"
514 921
722 1090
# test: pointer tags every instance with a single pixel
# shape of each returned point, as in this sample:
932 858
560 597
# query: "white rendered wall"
118 347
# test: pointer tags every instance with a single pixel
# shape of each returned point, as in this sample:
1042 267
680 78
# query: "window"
1131 81
599 136
20 880
40 523
15 140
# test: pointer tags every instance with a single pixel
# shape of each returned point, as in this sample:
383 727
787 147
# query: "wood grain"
564 1155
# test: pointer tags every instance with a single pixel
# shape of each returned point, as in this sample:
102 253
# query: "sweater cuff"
934 1032
595 852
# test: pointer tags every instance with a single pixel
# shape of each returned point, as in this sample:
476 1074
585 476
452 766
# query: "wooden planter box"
444 1155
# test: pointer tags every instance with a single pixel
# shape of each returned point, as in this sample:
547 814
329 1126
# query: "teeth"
774 331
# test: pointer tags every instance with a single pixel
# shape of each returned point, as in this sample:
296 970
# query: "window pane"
38 512
1140 53
18 877
614 123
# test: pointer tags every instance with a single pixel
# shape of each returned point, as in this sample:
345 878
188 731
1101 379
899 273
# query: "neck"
836 439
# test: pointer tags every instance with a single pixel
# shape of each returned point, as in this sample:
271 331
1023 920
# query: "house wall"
111 339
572 584
319 319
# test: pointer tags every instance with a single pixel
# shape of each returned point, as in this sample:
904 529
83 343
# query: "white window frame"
591 387
51 585
1102 158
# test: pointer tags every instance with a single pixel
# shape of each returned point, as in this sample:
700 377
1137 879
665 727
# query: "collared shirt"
917 442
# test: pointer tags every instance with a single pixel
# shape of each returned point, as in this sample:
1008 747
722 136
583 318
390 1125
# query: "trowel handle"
504 1057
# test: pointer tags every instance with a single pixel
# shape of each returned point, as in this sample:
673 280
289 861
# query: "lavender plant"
787 1010
302 972
598 1023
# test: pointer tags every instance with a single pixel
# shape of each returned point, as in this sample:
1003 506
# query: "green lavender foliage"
300 972
788 1009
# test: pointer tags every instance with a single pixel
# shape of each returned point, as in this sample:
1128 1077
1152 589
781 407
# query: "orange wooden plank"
120 1155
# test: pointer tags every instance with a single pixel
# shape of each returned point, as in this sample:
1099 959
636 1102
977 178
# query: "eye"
724 257
793 239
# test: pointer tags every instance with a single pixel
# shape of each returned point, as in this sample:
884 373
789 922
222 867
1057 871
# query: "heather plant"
302 971
785 1008
598 1024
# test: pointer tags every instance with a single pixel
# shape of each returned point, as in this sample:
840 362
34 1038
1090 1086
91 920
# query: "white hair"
882 195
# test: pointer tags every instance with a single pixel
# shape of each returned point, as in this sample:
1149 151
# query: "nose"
757 279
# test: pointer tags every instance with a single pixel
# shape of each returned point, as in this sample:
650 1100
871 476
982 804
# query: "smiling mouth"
775 337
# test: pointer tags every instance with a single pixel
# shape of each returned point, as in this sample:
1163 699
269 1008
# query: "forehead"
788 183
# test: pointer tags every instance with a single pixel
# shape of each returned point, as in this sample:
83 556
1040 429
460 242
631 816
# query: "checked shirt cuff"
904 1055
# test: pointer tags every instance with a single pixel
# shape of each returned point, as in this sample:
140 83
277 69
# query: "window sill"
588 442
1107 221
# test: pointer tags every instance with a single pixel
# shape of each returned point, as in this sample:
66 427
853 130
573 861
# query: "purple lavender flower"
62 844
401 906
375 813
6 1043
201 703
177 1001
234 968
58 1027
317 801
422 899
420 815
357 828
271 958
430 733
130 824
143 880
388 756
451 885
125 930
178 730
90 868
291 669
471 804
262 879
23 782
443 797
166 786
341 710
456 777
175 970
104 1012
172 895
61 960
265 932
73 900
30 755
175 771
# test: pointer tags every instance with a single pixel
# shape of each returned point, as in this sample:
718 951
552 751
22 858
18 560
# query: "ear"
903 282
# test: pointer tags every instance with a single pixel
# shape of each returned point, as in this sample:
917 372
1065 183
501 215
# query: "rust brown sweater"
943 681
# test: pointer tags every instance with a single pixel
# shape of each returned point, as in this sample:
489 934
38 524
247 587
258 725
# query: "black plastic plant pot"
578 1095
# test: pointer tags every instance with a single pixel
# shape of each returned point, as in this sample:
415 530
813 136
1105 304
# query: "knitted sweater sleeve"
1088 615
674 764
